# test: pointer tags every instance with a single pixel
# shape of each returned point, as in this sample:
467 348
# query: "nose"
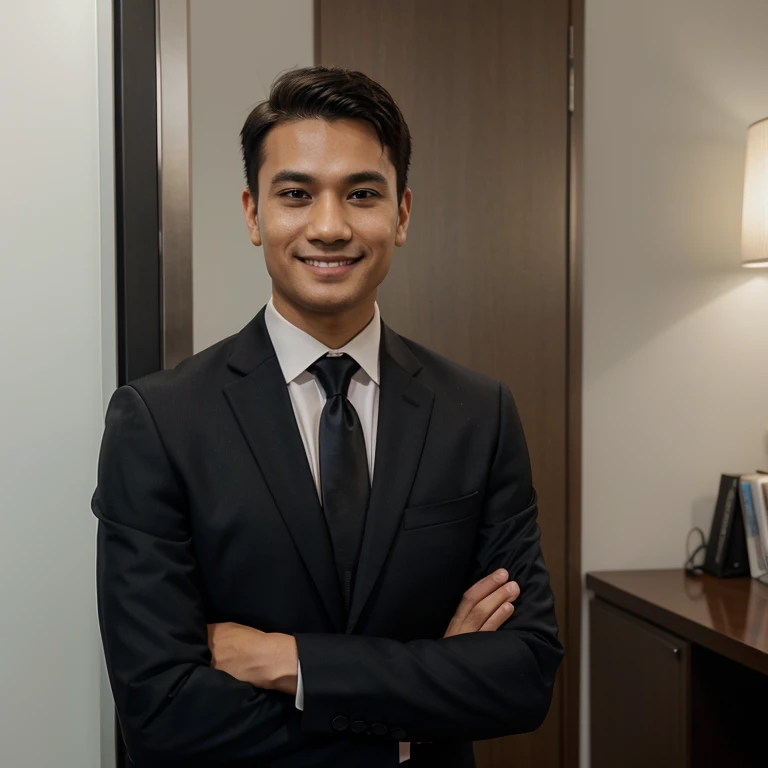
327 221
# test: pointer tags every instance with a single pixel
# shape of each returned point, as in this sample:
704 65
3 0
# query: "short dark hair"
328 93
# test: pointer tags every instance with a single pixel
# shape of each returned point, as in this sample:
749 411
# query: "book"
726 553
755 551
756 623
761 512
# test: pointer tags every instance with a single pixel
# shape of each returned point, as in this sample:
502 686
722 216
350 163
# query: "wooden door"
483 278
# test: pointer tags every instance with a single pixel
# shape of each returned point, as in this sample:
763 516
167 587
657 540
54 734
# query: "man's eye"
294 194
363 194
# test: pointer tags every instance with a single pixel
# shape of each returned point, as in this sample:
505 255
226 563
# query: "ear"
403 217
252 222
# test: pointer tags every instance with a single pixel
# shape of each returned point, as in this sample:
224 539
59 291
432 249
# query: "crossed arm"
173 703
269 660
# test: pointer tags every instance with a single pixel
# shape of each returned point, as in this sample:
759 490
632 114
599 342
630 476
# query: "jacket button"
379 729
358 726
340 723
397 733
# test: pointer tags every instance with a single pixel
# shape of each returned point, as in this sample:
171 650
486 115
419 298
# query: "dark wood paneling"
489 274
639 682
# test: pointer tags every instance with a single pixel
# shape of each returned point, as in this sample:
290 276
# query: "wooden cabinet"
678 671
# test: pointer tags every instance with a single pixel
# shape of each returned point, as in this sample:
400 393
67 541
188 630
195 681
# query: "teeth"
328 264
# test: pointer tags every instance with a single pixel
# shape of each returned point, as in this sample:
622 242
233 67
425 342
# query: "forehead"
327 148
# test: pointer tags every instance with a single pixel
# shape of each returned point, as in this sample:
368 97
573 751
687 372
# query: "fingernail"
512 588
500 575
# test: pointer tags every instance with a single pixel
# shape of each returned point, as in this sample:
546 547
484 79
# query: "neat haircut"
327 93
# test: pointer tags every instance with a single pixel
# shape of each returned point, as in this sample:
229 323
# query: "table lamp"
754 225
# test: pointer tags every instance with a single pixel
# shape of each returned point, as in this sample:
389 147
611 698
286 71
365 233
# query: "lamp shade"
754 224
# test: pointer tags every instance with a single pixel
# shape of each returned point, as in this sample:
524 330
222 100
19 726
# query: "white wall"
52 379
675 342
237 49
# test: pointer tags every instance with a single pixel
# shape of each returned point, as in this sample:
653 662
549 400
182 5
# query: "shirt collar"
296 350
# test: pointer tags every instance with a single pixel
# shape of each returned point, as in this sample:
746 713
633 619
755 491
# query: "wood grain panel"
484 276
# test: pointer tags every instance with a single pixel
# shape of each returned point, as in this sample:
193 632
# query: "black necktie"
344 481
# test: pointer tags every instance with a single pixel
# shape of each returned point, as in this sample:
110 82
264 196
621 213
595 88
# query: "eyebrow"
360 177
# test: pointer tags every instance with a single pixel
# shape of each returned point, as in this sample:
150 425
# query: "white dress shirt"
296 350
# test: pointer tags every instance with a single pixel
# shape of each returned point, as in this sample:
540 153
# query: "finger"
478 615
488 606
472 596
502 613
478 592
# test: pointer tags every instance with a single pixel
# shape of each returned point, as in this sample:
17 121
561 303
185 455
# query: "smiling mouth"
329 263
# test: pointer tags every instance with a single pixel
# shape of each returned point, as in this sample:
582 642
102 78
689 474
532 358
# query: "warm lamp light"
754 225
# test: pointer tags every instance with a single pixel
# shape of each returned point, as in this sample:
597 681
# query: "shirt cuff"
299 691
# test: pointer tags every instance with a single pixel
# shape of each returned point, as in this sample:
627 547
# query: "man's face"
327 196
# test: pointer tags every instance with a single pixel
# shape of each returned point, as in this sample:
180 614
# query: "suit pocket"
449 511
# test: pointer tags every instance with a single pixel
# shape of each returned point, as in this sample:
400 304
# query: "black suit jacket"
208 513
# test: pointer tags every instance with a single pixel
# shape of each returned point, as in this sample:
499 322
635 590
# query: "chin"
332 300
332 304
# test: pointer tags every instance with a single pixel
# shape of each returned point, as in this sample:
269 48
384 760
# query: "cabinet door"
639 683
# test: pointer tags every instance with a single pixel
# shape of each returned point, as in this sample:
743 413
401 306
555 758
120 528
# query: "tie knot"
334 373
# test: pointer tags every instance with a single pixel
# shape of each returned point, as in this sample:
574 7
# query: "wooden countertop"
728 616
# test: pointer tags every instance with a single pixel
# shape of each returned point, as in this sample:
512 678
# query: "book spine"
724 534
754 547
721 529
758 502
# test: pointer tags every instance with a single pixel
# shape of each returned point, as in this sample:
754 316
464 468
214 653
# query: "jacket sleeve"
467 687
171 704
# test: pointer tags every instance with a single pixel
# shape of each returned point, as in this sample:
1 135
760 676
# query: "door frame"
153 219
575 313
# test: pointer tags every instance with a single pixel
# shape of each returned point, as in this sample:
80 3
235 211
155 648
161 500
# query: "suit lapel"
405 407
263 409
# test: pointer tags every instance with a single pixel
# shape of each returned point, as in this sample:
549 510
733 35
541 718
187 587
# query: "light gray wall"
237 48
675 343
55 364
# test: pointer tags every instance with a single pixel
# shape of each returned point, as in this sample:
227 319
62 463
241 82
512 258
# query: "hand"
485 606
264 659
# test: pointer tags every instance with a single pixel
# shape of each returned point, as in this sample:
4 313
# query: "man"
311 534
